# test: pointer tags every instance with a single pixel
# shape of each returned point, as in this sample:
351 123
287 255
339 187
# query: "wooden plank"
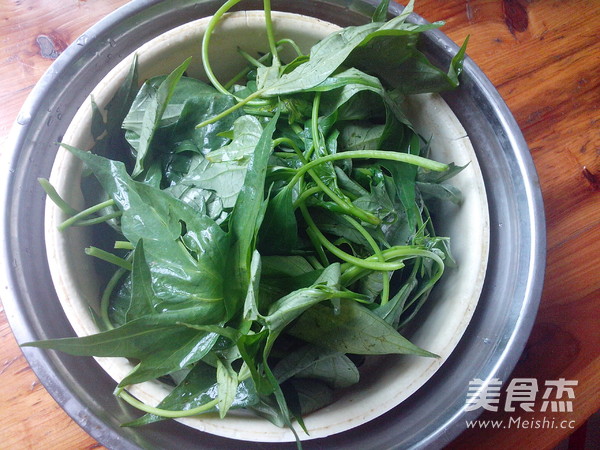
29 416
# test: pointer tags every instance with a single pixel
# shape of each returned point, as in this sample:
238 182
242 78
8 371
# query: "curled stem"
56 198
370 264
292 44
371 154
352 272
124 395
212 24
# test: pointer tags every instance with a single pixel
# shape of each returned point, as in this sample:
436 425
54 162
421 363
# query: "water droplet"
500 225
24 118
82 40
50 120
59 116
111 42
487 341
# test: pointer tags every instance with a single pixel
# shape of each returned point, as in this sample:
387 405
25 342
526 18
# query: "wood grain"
544 58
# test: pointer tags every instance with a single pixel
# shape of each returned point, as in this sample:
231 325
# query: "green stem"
206 41
292 44
124 395
385 292
108 257
231 109
346 207
314 238
124 245
56 198
371 154
101 219
242 73
105 300
287 141
85 213
360 154
253 61
352 272
351 259
296 128
270 32
314 123
284 155
314 262
305 194
343 203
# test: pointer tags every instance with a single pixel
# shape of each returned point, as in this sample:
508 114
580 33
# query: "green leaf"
161 221
224 178
106 129
393 309
185 348
395 59
325 58
288 308
456 65
380 13
98 126
251 347
404 176
268 408
251 307
245 220
246 134
279 230
136 339
227 383
119 105
353 95
442 191
177 108
354 329
282 275
311 395
204 201
143 300
156 103
360 136
428 176
198 388
330 366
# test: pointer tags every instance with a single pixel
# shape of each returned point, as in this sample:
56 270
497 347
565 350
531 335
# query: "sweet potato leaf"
156 101
179 278
199 388
354 329
332 367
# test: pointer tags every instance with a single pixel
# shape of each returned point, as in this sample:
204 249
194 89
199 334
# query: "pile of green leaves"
268 233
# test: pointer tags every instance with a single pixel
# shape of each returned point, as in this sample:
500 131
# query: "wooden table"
543 56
